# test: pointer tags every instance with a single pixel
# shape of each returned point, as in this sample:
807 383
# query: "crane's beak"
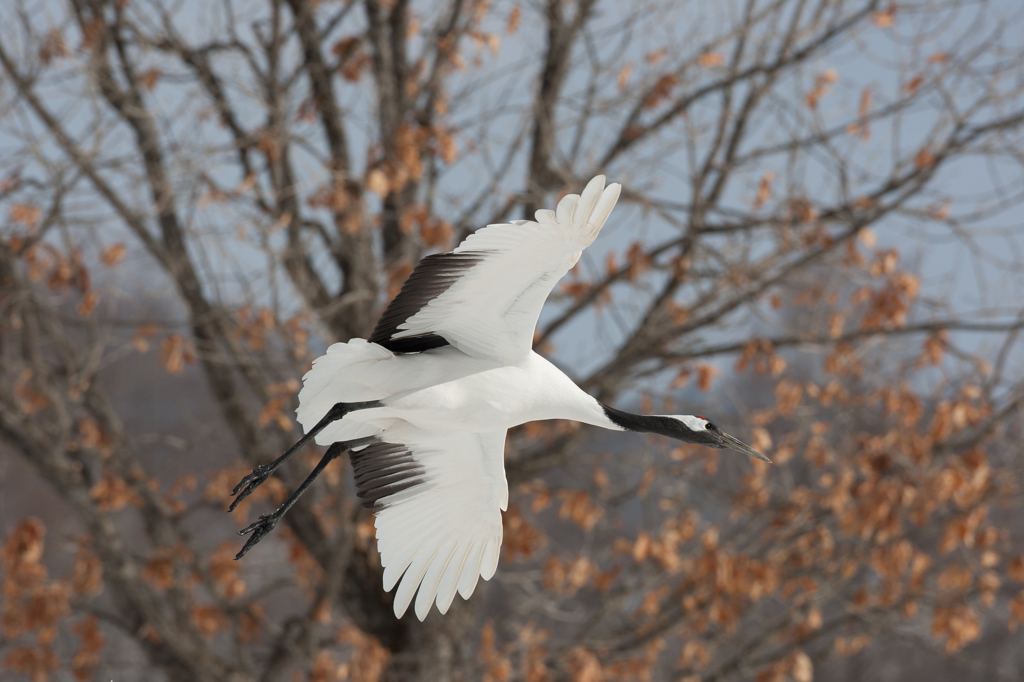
727 441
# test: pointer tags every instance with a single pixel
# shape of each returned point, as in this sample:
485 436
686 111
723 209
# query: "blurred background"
819 245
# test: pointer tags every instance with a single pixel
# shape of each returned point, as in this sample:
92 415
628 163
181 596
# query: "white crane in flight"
423 405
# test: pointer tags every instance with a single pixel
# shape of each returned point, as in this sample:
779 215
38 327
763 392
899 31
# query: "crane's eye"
711 427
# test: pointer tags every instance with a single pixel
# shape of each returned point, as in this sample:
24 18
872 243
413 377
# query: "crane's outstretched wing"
484 298
437 505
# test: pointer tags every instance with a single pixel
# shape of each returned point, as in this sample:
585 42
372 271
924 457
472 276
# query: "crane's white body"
438 390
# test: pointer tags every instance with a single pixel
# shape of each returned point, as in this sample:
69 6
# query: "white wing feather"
443 534
491 311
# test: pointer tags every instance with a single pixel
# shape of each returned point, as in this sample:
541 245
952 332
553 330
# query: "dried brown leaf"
655 56
803 669
113 254
709 59
622 80
209 620
705 376
924 159
26 214
36 663
661 89
175 352
584 666
886 18
764 189
913 85
149 78
515 17
112 493
87 658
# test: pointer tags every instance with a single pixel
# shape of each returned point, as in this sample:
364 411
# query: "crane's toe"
248 484
259 530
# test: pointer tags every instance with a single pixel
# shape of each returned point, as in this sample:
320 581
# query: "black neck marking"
663 426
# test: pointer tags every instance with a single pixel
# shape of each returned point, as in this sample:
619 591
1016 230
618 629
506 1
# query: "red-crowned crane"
423 405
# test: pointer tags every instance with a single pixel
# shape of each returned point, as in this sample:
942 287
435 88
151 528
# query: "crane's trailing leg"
266 522
263 471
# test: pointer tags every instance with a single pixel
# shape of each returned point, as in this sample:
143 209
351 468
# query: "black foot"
254 480
259 530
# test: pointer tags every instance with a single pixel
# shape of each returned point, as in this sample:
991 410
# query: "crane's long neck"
641 423
590 410
563 399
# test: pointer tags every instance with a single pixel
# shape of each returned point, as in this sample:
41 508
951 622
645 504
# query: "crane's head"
701 430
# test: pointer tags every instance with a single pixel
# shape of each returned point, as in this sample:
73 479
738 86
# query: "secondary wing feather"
484 298
438 502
